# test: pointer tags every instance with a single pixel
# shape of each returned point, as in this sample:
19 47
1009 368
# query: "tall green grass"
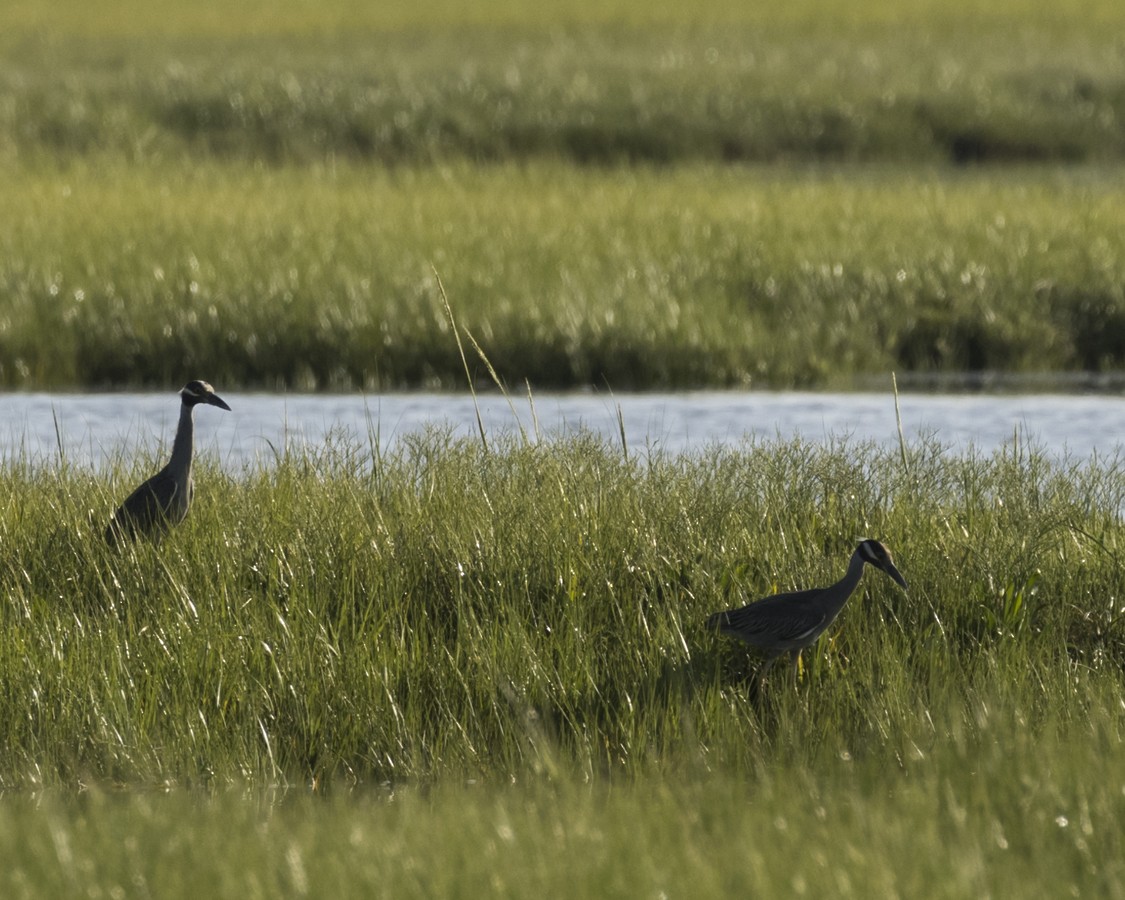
588 94
262 194
640 279
257 18
587 82
1001 810
451 669
451 611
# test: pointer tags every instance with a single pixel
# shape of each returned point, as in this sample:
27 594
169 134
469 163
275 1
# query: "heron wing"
778 619
148 508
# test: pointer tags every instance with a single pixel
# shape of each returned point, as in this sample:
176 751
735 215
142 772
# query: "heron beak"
890 569
216 400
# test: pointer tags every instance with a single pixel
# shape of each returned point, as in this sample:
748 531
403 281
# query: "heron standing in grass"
164 499
787 623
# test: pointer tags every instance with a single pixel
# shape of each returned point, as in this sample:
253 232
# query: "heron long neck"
837 595
182 445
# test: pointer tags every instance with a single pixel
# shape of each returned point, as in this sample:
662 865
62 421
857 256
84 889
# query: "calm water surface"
94 428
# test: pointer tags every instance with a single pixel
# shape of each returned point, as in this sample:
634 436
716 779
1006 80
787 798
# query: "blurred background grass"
215 19
934 88
261 193
115 275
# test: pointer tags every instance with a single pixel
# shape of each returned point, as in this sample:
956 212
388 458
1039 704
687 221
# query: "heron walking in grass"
164 499
787 623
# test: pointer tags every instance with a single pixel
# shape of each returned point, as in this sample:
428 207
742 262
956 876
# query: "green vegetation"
412 616
622 96
636 279
533 614
650 197
600 84
454 670
974 820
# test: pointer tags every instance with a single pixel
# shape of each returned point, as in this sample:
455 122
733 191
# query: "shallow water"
93 428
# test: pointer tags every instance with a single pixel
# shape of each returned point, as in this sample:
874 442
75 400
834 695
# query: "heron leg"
762 672
796 655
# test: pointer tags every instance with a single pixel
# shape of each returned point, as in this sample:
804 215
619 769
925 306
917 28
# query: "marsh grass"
588 83
465 669
614 194
971 817
638 279
489 665
450 609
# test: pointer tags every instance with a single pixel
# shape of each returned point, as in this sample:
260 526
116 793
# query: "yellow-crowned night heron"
787 623
164 499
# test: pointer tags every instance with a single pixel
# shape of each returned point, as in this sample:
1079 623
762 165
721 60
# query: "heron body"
164 499
787 623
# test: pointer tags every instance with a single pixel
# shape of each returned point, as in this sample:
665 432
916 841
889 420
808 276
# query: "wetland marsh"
455 666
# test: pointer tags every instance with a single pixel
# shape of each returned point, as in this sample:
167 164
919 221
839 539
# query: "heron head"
876 554
195 392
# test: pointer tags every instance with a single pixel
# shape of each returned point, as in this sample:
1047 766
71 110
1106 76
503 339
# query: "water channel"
93 428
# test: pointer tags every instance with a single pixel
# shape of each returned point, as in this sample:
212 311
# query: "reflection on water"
91 428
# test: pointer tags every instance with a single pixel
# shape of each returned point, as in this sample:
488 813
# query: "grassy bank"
491 668
641 196
451 612
588 83
113 275
980 817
